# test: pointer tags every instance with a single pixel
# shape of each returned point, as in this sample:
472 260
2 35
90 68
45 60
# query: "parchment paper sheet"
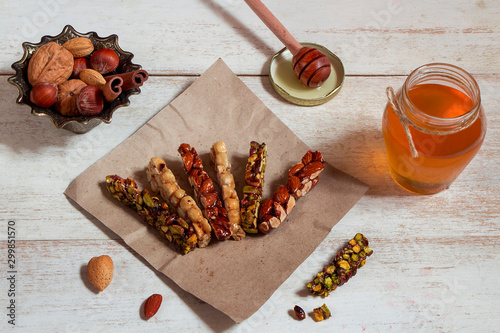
236 277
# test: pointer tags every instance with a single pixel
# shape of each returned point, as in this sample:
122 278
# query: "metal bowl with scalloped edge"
76 124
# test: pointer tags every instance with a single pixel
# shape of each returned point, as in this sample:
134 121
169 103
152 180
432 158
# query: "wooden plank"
347 130
429 284
435 261
185 37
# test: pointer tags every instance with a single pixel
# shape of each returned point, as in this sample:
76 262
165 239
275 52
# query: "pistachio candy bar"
342 268
254 182
154 213
302 177
205 193
163 180
218 153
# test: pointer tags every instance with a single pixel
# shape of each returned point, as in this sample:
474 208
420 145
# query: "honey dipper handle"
274 25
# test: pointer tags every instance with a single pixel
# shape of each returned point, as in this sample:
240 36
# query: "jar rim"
447 73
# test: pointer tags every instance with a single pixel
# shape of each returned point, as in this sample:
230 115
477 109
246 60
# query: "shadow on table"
85 280
215 319
240 28
362 155
21 130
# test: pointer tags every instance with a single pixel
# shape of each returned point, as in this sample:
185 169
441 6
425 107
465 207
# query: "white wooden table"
436 258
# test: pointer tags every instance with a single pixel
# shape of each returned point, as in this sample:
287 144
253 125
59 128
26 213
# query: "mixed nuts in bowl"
76 79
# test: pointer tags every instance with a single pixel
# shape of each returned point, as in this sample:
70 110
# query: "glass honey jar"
433 127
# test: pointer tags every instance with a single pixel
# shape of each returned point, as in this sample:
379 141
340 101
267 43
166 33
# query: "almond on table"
152 305
100 271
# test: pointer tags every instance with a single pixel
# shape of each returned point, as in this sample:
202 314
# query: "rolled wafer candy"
131 80
112 88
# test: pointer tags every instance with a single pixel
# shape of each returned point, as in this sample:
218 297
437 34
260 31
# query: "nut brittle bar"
342 268
218 153
205 193
153 212
163 180
252 191
302 177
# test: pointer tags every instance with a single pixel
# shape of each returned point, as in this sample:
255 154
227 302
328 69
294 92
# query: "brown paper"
236 277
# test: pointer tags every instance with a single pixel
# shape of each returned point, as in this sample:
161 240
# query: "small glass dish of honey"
441 104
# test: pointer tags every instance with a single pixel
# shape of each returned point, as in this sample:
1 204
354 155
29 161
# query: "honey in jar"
441 104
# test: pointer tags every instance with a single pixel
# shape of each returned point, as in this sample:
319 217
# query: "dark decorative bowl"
76 124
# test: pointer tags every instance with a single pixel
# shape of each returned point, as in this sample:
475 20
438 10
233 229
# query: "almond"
152 305
267 222
281 195
206 186
208 199
100 271
197 163
92 77
290 204
195 180
264 226
266 208
273 222
304 188
314 182
318 157
308 157
293 184
310 171
280 213
188 158
211 212
79 46
295 169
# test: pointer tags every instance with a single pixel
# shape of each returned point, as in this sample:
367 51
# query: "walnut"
50 63
66 98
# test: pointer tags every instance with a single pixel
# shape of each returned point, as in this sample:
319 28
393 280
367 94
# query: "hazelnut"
104 60
80 64
90 101
44 94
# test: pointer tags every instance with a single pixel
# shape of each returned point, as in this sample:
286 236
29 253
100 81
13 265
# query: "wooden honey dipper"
310 65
